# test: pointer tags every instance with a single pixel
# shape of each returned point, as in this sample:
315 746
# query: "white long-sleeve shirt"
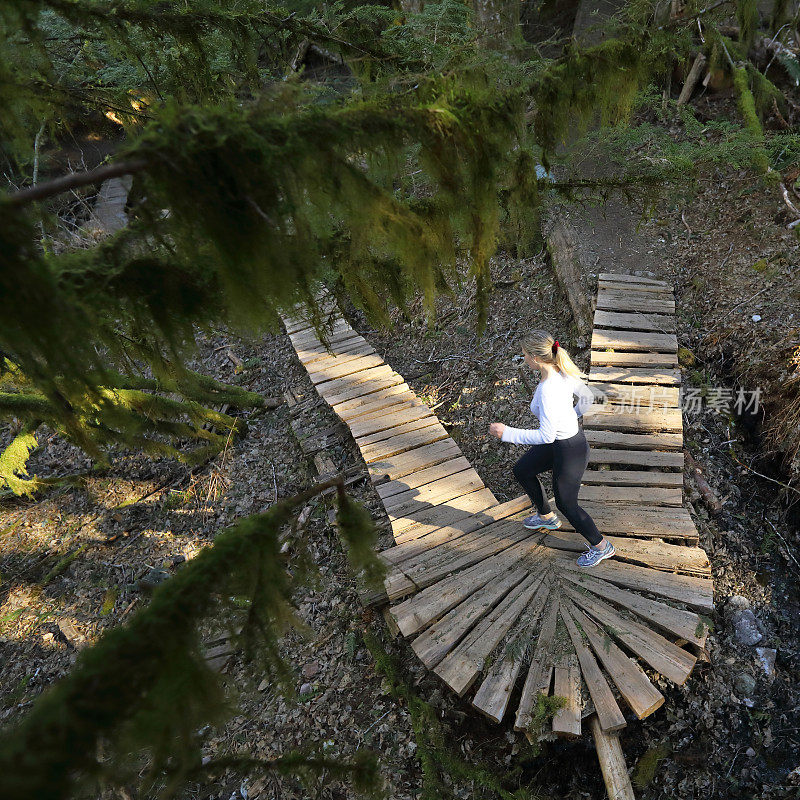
552 404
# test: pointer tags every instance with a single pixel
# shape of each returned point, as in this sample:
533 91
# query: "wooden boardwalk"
502 612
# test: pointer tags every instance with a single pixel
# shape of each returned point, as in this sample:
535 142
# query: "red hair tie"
555 346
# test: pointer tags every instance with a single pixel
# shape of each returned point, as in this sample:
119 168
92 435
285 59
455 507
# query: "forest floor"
78 562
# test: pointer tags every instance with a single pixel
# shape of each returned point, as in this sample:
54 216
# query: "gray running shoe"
592 557
535 521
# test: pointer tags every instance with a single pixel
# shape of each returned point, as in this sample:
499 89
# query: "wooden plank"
324 371
419 611
361 390
338 331
608 712
608 417
349 350
403 404
461 666
652 495
671 661
435 643
494 693
423 522
379 427
567 684
635 441
486 522
635 687
537 681
635 396
638 477
367 441
401 442
677 621
660 376
429 475
373 375
372 402
436 493
622 277
634 340
637 520
650 553
429 567
633 301
662 292
612 763
665 323
690 590
642 458
613 358
406 463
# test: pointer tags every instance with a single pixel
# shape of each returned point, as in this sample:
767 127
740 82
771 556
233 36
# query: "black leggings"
568 459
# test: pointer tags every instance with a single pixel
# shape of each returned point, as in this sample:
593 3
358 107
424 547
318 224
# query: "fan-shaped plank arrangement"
503 612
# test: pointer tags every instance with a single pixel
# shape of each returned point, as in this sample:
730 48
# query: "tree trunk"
497 22
562 244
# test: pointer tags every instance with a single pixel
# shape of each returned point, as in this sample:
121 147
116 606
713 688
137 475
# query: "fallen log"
710 499
691 79
612 763
562 243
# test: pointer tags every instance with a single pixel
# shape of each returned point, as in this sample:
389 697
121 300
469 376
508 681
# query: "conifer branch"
74 180
115 691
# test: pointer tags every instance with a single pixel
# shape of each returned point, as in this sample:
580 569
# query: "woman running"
558 444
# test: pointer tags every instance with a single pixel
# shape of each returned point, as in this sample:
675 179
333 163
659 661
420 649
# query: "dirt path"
613 238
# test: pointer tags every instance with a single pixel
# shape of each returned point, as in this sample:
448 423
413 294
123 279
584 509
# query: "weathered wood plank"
567 684
540 671
405 463
677 621
436 493
417 612
452 466
621 277
648 552
494 693
635 441
641 458
609 300
665 323
461 666
613 358
635 687
648 376
608 712
486 522
322 372
695 592
635 396
634 340
435 643
608 417
652 495
673 662
639 477
612 763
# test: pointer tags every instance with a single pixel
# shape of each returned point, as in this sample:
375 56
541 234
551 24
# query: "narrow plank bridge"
502 612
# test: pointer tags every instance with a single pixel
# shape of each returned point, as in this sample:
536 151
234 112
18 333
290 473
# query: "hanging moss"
14 462
748 19
747 108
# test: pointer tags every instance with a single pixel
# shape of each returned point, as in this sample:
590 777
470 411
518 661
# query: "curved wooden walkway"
503 612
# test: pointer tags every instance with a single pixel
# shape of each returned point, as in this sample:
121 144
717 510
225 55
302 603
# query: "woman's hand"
496 429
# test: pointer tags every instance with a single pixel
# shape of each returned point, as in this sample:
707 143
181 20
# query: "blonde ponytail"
541 345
